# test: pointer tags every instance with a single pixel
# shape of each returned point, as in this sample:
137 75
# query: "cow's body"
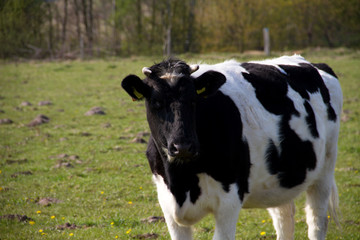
269 133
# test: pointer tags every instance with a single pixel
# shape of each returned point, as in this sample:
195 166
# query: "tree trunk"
78 29
139 27
51 31
168 30
90 33
190 28
116 41
153 24
88 22
64 23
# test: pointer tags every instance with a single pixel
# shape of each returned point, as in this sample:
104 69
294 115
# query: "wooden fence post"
266 41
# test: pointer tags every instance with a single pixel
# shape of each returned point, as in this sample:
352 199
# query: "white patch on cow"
171 77
284 60
213 199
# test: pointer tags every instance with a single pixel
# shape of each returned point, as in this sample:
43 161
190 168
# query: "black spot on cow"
271 88
306 78
325 68
291 159
272 157
310 119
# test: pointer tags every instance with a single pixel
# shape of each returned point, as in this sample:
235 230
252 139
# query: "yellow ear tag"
137 94
200 90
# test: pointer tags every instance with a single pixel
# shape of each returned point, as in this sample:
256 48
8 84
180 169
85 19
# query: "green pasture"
104 187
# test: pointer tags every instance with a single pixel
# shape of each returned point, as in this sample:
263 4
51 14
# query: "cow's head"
171 95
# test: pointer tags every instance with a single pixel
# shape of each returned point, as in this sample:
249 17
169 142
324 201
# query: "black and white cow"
241 135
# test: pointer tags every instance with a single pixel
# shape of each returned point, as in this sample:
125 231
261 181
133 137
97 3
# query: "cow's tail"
334 205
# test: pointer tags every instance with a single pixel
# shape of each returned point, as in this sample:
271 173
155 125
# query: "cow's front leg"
177 231
225 220
283 220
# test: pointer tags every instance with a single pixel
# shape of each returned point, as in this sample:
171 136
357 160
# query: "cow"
241 135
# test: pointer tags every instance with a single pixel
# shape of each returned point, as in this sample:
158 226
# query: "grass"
108 189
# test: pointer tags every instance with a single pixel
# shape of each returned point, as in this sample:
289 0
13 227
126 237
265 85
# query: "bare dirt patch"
48 201
65 160
153 219
20 218
138 140
95 111
6 121
25 173
45 103
67 226
25 104
20 161
40 119
146 236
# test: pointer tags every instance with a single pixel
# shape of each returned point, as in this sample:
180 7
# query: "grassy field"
89 172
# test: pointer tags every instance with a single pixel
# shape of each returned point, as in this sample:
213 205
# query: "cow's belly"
212 199
265 190
271 197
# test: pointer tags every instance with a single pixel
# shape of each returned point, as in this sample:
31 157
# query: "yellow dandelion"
52 217
1 188
43 233
112 223
102 192
140 188
128 231
262 233
116 236
38 212
31 222
130 202
71 234
0 171
63 218
40 231
263 221
328 217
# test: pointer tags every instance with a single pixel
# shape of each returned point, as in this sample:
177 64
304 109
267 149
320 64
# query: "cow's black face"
171 97
171 117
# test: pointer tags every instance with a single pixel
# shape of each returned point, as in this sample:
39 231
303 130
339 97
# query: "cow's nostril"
182 147
180 150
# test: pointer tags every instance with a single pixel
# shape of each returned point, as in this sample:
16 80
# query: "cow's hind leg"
283 220
317 200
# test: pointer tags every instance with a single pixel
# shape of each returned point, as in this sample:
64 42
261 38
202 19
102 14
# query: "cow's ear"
135 87
208 83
